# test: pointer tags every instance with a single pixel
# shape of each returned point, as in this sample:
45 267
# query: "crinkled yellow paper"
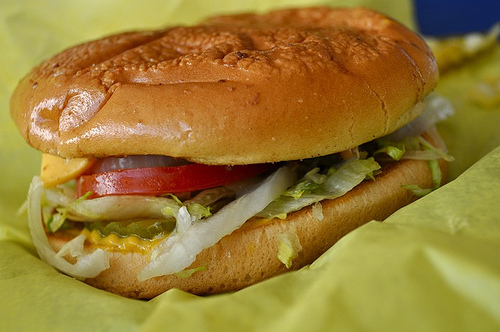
432 266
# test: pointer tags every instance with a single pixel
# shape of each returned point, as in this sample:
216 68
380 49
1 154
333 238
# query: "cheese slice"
57 170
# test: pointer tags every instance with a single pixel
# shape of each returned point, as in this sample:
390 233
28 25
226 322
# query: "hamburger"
211 157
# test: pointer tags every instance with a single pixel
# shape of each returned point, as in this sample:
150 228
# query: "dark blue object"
451 17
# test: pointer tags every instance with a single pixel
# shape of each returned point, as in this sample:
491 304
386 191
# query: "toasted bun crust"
240 89
249 255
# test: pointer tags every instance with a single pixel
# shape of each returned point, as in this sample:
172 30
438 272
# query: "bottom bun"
250 254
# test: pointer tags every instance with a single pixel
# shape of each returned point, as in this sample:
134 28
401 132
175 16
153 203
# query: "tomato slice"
154 181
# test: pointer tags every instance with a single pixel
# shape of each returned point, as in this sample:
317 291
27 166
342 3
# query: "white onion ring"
129 162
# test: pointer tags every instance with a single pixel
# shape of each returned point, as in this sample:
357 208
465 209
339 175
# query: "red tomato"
155 181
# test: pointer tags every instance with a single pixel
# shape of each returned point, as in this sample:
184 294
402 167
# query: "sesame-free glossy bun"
240 89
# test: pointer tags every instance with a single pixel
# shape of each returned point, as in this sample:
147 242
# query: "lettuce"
315 187
86 265
394 150
57 219
192 236
288 248
416 148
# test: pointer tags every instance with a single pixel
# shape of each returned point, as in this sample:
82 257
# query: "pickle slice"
146 229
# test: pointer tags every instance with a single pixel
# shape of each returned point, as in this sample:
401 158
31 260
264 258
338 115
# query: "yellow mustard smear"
137 244
114 242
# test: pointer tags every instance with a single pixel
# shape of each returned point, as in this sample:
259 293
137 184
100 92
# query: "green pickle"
146 229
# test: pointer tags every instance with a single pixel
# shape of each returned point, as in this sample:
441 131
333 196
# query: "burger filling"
174 209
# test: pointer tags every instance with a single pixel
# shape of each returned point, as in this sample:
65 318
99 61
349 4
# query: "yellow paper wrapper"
432 266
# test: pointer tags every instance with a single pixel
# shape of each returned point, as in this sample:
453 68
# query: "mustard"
114 242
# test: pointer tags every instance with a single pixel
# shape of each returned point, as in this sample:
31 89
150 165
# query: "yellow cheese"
57 170
124 244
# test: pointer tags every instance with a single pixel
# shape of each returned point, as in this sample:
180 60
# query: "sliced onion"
178 251
129 162
86 266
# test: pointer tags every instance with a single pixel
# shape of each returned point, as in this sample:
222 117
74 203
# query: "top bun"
241 89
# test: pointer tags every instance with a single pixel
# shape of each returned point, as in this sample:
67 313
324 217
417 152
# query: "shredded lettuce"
180 249
439 153
317 211
288 248
57 219
309 190
417 191
414 147
407 142
436 175
417 148
184 274
395 150
198 211
86 265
